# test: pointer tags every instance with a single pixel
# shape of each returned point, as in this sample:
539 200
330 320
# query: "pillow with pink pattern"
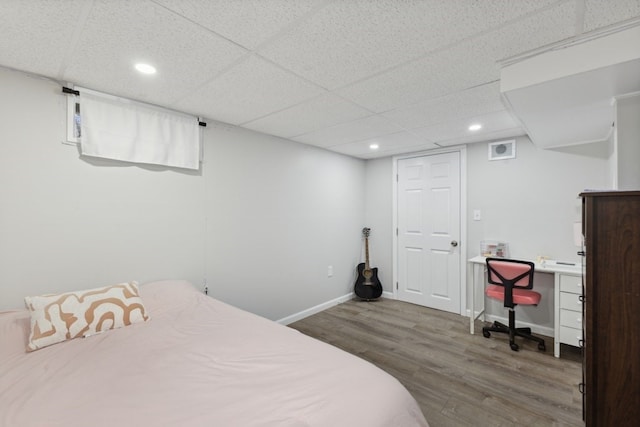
61 317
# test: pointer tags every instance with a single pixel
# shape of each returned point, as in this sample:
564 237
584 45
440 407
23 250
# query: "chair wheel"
542 347
514 346
486 334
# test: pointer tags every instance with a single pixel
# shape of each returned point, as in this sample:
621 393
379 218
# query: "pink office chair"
510 281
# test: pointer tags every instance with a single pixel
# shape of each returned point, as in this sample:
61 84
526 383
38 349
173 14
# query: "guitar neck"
366 253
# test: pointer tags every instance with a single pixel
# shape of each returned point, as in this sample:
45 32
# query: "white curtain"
121 129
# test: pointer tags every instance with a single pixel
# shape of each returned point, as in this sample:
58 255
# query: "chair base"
513 332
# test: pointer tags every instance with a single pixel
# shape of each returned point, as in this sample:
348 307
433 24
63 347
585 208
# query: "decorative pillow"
56 318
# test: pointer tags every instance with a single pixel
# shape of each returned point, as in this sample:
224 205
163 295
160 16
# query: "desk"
568 303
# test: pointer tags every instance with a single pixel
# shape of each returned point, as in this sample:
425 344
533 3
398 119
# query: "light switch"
477 216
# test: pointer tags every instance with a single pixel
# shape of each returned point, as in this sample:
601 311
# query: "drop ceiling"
342 75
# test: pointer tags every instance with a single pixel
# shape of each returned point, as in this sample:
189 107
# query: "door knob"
454 243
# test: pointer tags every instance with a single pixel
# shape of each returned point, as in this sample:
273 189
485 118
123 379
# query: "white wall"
66 223
279 214
261 222
628 142
379 217
530 201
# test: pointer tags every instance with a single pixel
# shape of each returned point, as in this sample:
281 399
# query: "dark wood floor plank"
458 379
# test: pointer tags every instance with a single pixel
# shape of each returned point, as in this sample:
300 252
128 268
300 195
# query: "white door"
429 230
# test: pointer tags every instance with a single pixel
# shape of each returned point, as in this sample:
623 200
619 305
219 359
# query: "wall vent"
502 150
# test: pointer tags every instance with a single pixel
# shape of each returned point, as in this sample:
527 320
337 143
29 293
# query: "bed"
195 362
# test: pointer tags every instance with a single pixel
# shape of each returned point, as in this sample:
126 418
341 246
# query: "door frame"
462 149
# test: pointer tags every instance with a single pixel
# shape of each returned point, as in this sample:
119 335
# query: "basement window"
115 128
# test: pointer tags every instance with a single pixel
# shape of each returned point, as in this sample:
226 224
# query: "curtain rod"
77 93
70 91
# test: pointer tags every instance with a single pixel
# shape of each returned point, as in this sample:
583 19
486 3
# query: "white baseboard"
313 310
387 294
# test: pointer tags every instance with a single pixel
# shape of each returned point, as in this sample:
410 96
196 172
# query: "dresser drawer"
570 301
570 318
570 336
571 284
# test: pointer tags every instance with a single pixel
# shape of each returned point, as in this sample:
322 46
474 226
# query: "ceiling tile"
48 30
323 111
394 151
485 137
247 22
600 13
146 32
333 51
457 131
388 145
251 89
470 63
476 101
357 130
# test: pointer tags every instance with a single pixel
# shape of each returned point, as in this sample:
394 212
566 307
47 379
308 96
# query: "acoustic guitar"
367 285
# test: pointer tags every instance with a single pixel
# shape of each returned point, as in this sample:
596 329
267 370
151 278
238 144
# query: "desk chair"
510 281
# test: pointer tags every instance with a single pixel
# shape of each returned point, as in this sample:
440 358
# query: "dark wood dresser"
611 225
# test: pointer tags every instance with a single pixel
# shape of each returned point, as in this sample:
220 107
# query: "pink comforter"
197 362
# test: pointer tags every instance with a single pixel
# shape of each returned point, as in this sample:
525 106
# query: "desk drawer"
572 319
570 336
572 284
570 301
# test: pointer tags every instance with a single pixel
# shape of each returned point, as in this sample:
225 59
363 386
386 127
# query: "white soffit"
566 96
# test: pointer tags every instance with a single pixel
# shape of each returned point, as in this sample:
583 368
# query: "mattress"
196 362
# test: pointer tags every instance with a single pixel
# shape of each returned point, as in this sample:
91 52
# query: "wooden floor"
458 379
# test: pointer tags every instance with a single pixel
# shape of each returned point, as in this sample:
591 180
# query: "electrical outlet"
330 271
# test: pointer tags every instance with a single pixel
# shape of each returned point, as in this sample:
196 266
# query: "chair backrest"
510 273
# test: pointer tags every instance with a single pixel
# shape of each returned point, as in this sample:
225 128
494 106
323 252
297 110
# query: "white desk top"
549 266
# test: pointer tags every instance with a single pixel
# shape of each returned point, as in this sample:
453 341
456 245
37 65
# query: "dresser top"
610 193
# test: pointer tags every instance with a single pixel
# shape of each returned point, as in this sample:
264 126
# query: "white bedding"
197 362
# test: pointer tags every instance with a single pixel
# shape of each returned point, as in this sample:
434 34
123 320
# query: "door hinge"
396 231
397 286
397 178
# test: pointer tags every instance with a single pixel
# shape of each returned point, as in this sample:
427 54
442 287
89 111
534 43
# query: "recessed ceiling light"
474 127
146 68
374 146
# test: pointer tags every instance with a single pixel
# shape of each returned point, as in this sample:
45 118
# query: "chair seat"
520 296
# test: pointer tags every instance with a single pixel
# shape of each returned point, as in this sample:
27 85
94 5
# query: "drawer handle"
581 388
581 298
580 342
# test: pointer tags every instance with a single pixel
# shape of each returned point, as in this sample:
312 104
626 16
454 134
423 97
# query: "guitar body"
367 288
